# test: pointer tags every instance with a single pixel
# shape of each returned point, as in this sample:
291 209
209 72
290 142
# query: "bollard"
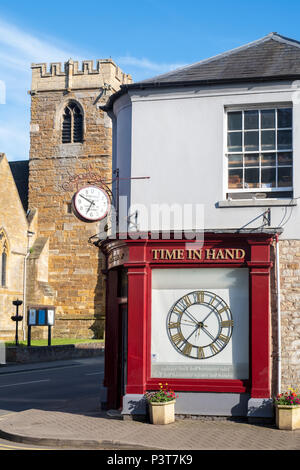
17 317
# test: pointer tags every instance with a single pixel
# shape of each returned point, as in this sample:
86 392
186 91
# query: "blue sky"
145 38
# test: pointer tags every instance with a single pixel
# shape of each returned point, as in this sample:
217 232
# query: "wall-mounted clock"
91 204
200 324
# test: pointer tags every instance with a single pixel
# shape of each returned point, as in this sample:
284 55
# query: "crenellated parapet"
73 75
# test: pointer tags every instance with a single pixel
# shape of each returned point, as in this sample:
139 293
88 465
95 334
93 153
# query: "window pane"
284 140
267 140
252 178
252 159
251 141
268 119
268 177
285 177
235 141
235 160
235 121
285 158
251 120
284 117
268 159
235 179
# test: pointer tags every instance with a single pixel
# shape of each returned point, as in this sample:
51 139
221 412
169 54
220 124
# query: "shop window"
72 124
260 152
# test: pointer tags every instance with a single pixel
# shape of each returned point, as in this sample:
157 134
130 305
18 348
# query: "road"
69 385
72 385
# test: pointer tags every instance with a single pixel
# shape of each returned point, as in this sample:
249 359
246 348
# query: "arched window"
3 268
3 258
72 124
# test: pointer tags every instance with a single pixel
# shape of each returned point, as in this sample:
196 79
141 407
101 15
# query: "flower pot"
162 413
288 417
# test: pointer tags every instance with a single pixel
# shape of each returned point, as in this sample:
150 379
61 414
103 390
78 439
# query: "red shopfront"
195 317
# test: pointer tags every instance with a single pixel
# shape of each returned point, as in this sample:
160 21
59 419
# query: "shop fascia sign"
199 254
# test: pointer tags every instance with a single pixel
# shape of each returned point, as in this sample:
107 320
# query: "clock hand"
92 202
190 316
187 324
90 206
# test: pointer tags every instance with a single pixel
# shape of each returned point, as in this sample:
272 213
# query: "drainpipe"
29 234
278 318
24 295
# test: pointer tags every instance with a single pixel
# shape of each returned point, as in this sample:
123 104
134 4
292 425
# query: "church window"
3 269
72 125
3 258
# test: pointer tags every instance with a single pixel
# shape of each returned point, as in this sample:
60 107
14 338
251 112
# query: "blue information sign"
42 317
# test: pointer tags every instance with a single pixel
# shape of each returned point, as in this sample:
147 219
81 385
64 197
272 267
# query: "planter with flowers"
287 407
161 405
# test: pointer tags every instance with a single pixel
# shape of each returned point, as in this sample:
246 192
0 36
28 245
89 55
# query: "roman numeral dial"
200 324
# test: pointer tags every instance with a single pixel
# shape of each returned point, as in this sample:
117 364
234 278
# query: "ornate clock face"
91 203
200 324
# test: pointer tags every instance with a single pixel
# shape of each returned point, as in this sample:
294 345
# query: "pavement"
82 426
61 429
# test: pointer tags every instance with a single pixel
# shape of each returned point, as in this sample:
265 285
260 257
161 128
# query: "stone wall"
13 234
52 353
74 265
290 312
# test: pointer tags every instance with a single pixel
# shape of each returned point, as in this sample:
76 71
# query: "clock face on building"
200 324
91 203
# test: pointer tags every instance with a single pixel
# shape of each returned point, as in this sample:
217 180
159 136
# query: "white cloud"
26 46
18 49
146 64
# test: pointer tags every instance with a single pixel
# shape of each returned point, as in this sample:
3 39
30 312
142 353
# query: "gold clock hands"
186 323
190 316
190 321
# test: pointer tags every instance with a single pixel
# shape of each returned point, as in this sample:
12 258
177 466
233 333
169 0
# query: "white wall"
177 137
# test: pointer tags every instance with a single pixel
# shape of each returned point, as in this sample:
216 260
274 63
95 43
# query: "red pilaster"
260 318
137 311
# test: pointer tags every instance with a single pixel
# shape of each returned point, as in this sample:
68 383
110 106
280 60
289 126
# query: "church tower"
70 136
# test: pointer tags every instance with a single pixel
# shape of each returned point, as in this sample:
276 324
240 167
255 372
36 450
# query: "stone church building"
70 142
